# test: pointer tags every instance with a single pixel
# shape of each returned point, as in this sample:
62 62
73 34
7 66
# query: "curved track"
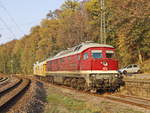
4 80
9 95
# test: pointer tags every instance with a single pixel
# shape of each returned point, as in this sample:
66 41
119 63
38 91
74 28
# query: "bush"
146 66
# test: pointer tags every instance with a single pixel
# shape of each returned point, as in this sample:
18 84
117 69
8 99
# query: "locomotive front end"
105 81
104 66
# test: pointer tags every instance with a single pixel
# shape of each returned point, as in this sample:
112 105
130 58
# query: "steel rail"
9 94
4 80
109 96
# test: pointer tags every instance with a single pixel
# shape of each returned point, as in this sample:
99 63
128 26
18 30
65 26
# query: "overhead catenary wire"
11 17
7 27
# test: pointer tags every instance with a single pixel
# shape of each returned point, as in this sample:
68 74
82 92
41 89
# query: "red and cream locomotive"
88 66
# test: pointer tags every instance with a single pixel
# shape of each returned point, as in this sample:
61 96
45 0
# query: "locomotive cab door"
85 61
78 62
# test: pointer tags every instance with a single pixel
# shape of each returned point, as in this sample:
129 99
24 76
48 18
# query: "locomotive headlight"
93 76
105 63
116 75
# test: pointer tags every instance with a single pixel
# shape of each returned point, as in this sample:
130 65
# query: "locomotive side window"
109 54
68 58
61 60
97 54
85 56
78 57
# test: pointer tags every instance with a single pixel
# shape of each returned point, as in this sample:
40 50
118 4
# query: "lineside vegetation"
128 29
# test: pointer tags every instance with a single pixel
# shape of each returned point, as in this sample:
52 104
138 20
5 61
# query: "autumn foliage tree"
127 29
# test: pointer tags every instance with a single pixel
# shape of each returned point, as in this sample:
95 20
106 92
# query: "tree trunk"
140 56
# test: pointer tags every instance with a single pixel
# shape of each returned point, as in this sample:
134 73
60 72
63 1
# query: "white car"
132 68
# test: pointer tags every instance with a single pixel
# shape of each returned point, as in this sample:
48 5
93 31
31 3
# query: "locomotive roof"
77 49
39 63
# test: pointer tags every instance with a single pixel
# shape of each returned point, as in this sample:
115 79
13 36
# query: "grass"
67 102
61 103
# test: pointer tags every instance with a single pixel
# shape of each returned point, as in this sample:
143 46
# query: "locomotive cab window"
97 54
85 56
109 54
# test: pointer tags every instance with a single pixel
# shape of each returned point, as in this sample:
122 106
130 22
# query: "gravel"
33 101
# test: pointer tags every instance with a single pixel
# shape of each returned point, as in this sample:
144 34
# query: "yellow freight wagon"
40 68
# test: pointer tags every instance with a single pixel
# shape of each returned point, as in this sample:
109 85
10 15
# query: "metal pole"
103 22
101 27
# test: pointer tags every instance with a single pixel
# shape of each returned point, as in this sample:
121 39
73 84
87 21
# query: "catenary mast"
103 22
102 15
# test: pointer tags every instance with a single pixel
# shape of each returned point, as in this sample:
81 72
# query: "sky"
17 17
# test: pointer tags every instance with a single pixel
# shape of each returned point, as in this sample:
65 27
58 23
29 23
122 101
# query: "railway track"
4 80
140 102
130 100
10 94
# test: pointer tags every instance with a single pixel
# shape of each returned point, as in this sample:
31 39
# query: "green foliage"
127 24
70 5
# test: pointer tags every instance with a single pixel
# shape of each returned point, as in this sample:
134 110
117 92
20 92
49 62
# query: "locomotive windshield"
97 54
109 54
